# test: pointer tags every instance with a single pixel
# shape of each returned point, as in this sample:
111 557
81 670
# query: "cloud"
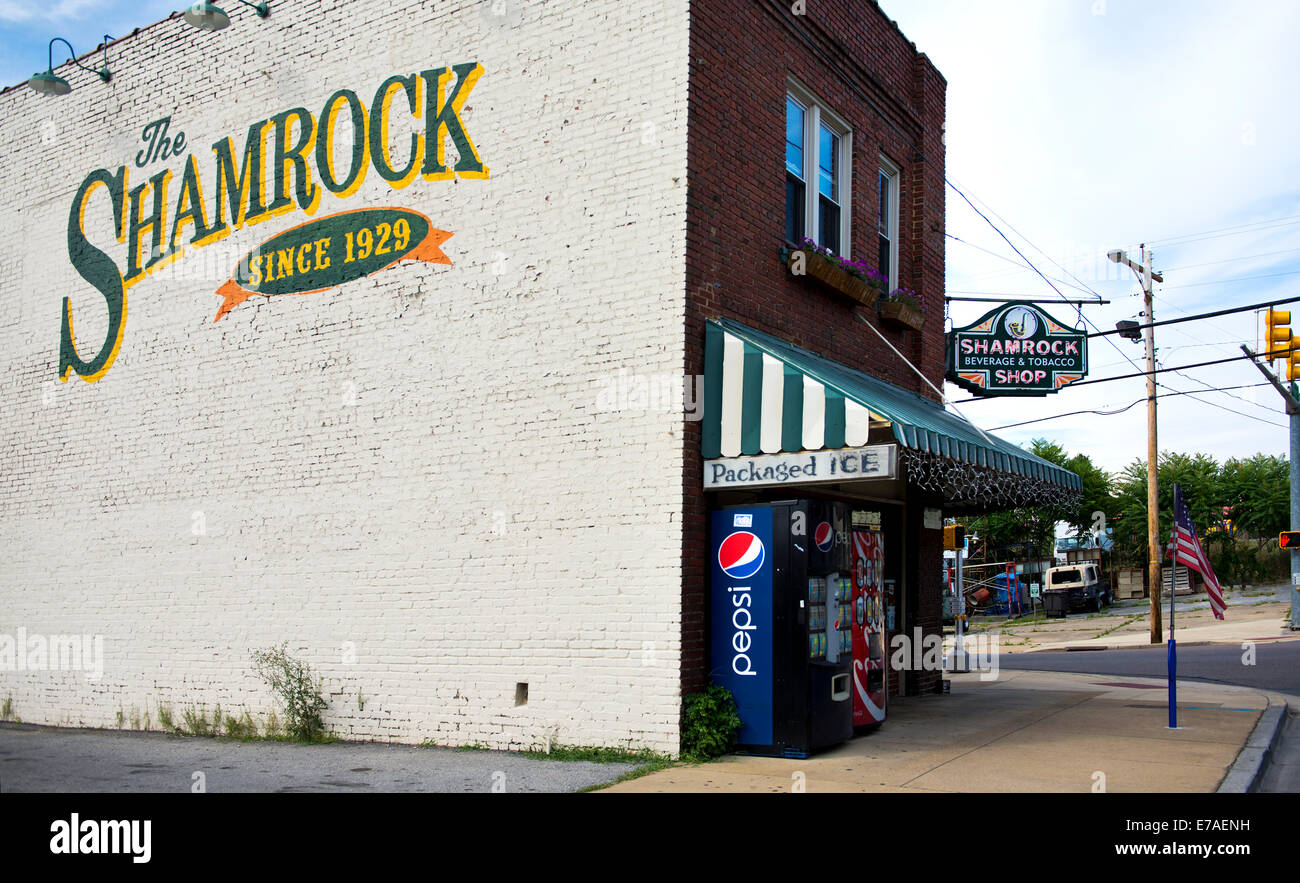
1084 133
17 12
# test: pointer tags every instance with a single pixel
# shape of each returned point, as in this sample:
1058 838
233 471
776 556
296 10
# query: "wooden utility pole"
1155 583
1153 453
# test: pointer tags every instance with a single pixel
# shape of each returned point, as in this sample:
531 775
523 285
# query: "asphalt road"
1276 664
49 759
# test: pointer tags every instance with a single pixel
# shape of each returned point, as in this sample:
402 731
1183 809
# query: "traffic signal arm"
1292 404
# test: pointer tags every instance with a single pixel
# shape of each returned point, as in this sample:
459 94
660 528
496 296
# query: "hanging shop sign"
1016 350
776 470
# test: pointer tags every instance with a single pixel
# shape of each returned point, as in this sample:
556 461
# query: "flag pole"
1173 647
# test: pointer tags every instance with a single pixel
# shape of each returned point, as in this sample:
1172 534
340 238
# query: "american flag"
1186 549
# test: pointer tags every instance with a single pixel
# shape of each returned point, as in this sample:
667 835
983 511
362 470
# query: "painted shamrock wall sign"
331 251
1016 350
289 161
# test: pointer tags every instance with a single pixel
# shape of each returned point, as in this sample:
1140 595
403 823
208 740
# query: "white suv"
1083 583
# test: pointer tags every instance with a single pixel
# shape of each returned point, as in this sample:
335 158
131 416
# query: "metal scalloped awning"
764 396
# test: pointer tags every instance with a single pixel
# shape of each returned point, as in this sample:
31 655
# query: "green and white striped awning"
764 396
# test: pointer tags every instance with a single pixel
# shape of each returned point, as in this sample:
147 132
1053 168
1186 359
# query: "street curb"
1244 774
1076 648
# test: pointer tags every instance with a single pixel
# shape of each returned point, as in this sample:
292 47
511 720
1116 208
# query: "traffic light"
954 538
1289 539
1277 335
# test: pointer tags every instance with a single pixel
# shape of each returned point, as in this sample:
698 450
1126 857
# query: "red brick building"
829 125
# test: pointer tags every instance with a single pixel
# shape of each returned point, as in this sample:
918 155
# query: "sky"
27 27
1077 127
1082 126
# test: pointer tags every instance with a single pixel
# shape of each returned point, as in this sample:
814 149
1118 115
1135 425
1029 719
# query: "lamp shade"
49 84
206 17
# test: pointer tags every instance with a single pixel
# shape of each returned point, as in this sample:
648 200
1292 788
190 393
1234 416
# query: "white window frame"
815 114
895 175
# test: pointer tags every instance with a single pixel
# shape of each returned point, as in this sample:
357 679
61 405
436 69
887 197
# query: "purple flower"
907 297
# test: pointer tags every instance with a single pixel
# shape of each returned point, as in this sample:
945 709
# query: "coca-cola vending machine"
869 635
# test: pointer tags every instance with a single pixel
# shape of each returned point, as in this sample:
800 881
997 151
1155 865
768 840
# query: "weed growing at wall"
196 722
293 682
240 727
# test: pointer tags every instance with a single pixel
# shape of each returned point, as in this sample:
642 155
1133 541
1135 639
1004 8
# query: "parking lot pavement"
48 759
1252 614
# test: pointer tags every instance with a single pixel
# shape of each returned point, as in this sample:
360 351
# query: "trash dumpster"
1056 602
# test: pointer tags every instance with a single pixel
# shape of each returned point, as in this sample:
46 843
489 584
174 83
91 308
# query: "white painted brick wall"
350 451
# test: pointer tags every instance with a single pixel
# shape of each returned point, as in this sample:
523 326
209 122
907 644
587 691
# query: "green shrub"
292 680
709 723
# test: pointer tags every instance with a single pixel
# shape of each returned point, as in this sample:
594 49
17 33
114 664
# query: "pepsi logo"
741 555
824 536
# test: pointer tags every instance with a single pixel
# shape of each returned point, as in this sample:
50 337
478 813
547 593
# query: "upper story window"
817 151
887 221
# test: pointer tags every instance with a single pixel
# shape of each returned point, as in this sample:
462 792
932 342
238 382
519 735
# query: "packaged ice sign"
773 470
1016 350
332 251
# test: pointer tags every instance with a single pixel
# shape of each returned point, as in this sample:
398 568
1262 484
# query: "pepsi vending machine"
782 623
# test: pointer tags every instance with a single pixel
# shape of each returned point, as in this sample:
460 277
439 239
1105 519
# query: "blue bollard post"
1173 685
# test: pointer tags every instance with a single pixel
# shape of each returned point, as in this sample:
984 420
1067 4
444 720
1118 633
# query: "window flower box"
901 314
830 272
901 308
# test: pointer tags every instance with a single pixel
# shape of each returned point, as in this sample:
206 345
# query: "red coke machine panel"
868 628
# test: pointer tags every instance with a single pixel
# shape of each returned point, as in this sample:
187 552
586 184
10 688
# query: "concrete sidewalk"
1023 732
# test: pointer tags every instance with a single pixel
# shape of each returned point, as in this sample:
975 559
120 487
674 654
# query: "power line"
1200 316
1088 321
1195 396
1223 390
1170 391
1008 241
1172 348
1108 413
1234 260
1022 267
1231 280
921 156
791 25
1278 353
1224 232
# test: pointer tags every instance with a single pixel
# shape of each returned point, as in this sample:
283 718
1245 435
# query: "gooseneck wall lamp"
210 17
49 83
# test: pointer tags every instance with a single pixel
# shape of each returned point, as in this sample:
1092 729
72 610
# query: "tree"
1257 494
1032 531
1198 476
1129 521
